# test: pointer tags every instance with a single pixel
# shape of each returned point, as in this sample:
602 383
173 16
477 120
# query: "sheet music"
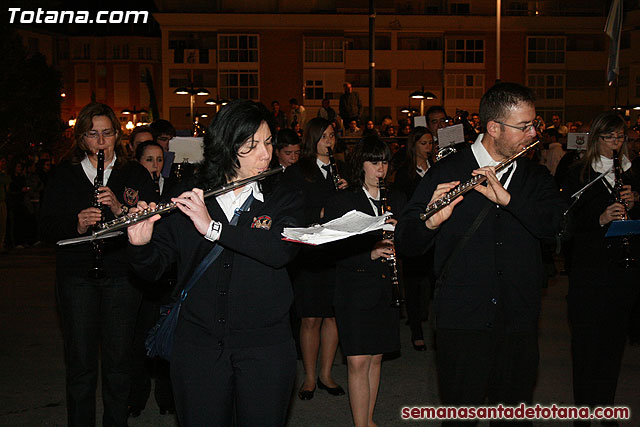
350 224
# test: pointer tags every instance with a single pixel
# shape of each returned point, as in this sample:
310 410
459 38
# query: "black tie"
505 177
376 203
327 168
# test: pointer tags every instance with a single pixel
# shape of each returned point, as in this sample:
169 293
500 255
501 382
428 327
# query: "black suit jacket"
68 192
498 275
243 298
360 281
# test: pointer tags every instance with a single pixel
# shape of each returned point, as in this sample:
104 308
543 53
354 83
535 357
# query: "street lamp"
217 102
192 92
422 95
135 113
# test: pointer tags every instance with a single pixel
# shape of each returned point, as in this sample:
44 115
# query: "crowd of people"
261 302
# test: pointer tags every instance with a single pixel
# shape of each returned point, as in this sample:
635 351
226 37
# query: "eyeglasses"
107 133
614 138
525 128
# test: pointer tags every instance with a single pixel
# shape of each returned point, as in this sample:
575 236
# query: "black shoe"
134 411
419 347
334 391
306 394
165 411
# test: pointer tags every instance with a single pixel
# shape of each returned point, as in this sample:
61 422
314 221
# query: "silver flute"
460 189
162 208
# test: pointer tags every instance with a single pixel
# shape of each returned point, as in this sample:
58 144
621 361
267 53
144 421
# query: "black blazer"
360 282
594 261
500 266
68 192
243 299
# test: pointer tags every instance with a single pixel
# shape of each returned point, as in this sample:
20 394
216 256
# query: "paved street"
32 369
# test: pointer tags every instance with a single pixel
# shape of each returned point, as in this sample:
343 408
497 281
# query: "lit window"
547 86
465 51
323 50
238 48
465 86
236 84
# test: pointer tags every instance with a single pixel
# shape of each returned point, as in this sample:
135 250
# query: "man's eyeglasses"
614 138
93 134
525 128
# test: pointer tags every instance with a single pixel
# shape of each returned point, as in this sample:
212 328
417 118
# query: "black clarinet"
627 260
156 183
396 295
97 269
334 169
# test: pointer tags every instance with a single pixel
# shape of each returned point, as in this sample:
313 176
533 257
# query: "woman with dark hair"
97 300
154 294
367 322
602 290
416 270
312 271
233 356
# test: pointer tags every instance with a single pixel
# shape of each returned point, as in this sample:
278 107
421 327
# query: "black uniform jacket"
500 267
595 258
68 192
360 281
243 298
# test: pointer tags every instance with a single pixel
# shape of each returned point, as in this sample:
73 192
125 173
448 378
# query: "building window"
360 78
236 84
207 78
547 86
361 41
413 41
86 51
140 53
125 51
148 50
116 51
179 77
545 50
314 89
459 8
548 113
237 48
465 86
465 51
323 50
517 8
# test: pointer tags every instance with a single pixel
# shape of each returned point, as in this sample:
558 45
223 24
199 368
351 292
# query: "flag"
613 28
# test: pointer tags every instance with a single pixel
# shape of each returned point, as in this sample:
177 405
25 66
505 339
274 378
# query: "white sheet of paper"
577 141
420 121
187 147
450 135
350 224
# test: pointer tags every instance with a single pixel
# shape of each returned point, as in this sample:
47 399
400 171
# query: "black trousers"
479 366
599 319
216 386
416 295
98 319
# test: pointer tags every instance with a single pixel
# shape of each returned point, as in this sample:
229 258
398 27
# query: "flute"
162 208
460 189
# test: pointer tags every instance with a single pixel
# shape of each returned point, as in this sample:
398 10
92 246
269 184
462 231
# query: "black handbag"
159 342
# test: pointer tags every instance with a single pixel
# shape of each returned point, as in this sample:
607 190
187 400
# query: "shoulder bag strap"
214 253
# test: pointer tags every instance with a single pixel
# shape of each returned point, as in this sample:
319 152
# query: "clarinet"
396 295
627 260
334 169
156 183
97 270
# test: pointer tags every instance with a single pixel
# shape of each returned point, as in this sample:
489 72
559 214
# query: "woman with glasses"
312 272
96 298
601 290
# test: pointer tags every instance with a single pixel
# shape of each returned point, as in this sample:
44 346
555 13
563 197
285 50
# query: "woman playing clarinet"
603 281
366 315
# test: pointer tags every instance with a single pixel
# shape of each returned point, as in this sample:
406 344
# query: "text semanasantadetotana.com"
521 412
40 16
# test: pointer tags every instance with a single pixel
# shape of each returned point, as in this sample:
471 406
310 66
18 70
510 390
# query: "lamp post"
192 92
422 95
